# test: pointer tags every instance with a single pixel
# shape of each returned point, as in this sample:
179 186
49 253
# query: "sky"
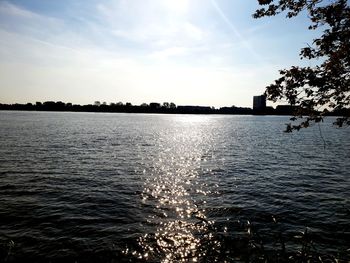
190 52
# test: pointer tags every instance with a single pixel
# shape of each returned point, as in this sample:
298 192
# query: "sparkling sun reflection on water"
177 195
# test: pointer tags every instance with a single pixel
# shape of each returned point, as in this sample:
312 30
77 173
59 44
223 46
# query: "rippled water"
85 187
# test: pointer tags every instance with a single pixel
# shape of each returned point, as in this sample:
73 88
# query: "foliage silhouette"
326 86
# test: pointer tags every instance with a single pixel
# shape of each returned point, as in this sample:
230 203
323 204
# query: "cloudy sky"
196 52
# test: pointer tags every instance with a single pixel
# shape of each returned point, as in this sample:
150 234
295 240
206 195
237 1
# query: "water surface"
88 187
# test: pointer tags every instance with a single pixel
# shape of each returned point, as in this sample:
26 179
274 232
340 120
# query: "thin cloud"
7 8
136 51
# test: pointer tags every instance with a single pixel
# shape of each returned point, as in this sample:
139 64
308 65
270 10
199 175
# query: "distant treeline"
153 107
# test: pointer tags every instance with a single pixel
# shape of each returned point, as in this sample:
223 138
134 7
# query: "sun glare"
178 6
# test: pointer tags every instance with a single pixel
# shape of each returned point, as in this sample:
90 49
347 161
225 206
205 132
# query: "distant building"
259 103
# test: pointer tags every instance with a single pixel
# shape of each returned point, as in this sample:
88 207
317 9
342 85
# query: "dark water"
85 187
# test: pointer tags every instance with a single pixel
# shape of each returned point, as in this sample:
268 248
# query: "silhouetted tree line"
167 108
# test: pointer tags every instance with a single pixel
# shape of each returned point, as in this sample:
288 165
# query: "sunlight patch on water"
173 189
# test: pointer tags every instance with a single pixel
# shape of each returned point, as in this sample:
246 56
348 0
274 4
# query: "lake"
104 187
